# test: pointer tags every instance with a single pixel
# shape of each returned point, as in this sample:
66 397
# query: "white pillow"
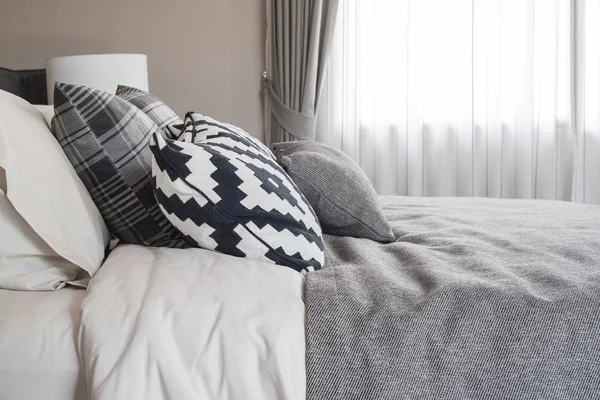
26 261
44 188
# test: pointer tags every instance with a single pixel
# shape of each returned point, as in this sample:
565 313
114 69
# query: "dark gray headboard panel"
28 84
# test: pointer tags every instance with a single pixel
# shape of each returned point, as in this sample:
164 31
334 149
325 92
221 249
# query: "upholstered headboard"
28 84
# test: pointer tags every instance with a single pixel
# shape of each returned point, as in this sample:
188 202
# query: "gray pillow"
336 187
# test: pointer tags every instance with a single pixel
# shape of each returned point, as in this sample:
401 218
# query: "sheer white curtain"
465 97
586 100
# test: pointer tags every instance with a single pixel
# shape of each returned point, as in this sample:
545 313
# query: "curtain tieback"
302 126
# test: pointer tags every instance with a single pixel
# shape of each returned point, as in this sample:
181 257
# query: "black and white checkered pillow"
227 193
152 106
106 140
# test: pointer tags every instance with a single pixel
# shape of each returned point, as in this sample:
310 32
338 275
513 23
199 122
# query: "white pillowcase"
45 190
26 261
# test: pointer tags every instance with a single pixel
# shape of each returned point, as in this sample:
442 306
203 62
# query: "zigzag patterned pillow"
197 128
227 194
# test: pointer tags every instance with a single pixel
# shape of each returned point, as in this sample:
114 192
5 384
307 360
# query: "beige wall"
203 55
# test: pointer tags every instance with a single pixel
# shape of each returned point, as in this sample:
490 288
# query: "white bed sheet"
158 323
38 357
161 323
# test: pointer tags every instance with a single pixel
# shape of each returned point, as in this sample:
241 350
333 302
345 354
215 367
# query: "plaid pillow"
151 105
106 140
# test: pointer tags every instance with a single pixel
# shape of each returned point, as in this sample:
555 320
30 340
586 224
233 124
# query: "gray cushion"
152 106
336 187
106 139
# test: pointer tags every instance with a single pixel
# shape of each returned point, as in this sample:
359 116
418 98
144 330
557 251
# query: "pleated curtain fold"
299 35
496 98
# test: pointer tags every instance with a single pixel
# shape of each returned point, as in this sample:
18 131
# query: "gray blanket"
476 299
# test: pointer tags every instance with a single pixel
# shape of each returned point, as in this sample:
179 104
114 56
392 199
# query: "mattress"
38 357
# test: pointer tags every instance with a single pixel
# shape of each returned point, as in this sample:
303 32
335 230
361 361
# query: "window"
466 97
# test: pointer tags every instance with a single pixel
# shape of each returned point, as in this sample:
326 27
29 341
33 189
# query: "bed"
436 314
429 298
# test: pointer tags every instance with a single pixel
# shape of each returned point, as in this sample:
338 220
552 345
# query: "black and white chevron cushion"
227 193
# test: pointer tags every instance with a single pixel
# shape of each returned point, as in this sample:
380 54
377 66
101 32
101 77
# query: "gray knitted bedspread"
476 299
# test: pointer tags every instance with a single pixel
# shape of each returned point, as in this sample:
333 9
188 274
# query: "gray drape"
299 36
